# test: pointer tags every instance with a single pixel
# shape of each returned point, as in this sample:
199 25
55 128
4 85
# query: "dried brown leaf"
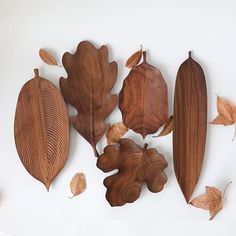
227 113
134 59
78 184
115 132
168 127
212 200
47 57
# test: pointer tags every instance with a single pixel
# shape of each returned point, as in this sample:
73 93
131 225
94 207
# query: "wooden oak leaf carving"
136 165
87 89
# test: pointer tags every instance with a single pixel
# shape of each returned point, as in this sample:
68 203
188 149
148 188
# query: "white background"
167 30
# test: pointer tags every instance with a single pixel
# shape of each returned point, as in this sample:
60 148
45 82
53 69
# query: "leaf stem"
234 132
226 189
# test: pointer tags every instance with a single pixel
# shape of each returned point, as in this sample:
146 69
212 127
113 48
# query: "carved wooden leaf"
190 125
41 129
87 89
136 165
115 132
143 100
78 184
47 57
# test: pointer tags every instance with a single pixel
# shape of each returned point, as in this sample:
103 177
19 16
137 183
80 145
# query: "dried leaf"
136 165
47 57
87 88
134 59
227 113
212 200
115 132
78 184
168 127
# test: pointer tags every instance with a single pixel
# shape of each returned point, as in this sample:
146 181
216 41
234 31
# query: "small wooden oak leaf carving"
135 165
212 200
227 113
115 132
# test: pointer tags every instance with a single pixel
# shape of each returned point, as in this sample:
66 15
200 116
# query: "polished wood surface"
143 100
87 89
41 129
136 165
190 125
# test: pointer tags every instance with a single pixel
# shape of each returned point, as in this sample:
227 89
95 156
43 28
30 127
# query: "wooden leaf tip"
36 72
190 54
144 56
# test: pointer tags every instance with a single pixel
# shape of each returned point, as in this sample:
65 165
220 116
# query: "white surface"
167 29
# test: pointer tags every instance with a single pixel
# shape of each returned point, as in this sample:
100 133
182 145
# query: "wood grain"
136 165
143 100
87 89
190 125
41 129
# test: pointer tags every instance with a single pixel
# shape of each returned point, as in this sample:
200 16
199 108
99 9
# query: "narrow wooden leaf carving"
47 57
41 129
190 125
136 165
87 89
143 100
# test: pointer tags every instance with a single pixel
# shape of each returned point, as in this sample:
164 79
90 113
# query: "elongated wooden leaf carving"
41 129
190 125
87 89
143 99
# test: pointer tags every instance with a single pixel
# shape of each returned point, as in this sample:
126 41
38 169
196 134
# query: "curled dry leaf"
47 57
227 113
212 200
78 184
134 59
115 132
168 127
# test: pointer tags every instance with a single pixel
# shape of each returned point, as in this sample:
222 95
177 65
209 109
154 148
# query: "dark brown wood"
87 89
136 165
143 99
190 125
41 129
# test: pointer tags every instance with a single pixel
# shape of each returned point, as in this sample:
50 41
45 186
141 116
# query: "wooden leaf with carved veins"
41 129
87 89
143 100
